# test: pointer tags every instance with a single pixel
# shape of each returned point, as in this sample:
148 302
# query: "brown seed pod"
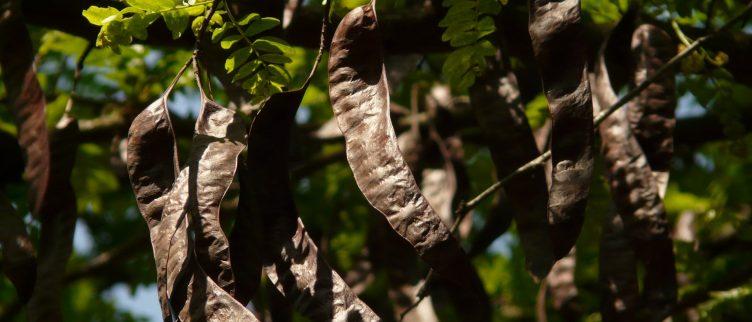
556 31
26 103
290 258
51 196
246 236
360 98
191 295
152 163
651 114
637 199
495 99
217 143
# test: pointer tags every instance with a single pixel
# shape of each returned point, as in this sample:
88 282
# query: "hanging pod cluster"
556 31
194 278
360 98
289 256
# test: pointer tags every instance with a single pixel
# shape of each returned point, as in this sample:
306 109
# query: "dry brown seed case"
174 204
638 201
360 98
556 31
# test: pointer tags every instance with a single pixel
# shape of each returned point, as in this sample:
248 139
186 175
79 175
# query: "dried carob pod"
218 141
651 114
19 259
617 272
495 99
50 195
637 198
360 98
26 102
167 198
245 240
556 31
291 260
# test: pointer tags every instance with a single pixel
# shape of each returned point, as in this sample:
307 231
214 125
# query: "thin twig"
465 208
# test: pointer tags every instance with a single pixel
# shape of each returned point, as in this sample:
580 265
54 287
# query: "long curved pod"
556 31
185 289
637 197
360 98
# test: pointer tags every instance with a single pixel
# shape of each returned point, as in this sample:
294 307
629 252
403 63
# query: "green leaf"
464 39
272 45
194 10
261 25
454 17
246 70
176 21
278 74
252 83
154 5
219 32
449 3
490 7
466 81
485 48
248 18
485 27
217 20
229 41
237 58
136 25
275 88
275 58
97 15
455 31
197 24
